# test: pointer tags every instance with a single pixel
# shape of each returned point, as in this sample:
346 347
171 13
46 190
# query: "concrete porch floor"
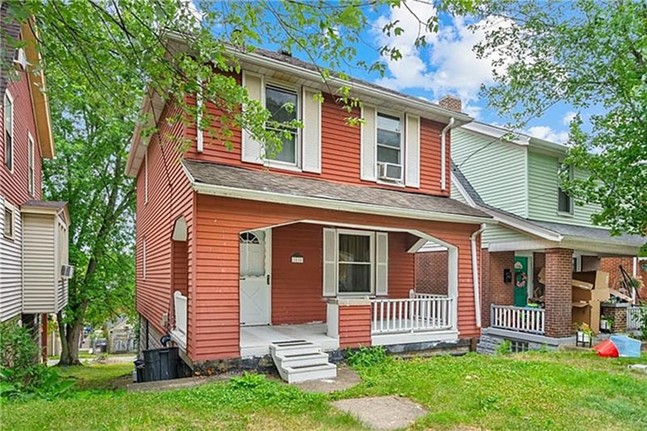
255 340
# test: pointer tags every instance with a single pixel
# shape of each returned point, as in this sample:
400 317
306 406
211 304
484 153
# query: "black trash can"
161 364
139 370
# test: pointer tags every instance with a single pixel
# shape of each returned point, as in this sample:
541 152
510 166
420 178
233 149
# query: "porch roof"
321 193
551 231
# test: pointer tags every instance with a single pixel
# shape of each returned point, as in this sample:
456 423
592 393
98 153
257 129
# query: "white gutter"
475 277
333 204
443 156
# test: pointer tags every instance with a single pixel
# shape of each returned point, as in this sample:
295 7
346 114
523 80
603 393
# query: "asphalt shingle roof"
261 180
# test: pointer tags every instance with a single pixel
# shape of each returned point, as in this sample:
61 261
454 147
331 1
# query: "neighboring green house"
515 178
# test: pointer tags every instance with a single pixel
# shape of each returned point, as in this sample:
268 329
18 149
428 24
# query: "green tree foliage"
592 55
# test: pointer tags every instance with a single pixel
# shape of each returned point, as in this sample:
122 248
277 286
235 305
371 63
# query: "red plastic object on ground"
607 349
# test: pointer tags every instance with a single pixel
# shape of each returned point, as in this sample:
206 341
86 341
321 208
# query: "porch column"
558 294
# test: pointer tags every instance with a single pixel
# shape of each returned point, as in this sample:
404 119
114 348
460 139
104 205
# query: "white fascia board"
462 191
598 246
524 227
498 133
335 205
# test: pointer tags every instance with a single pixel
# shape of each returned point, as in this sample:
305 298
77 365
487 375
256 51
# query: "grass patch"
98 376
533 391
530 391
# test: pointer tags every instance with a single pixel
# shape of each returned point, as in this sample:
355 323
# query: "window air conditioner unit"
67 271
20 58
384 174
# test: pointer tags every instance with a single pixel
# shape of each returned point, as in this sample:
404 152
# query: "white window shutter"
252 150
369 145
329 262
311 133
381 264
412 148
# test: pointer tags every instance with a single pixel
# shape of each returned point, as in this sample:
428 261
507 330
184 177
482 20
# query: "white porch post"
332 319
452 283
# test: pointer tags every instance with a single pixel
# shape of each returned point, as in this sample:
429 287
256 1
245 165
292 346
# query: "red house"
237 250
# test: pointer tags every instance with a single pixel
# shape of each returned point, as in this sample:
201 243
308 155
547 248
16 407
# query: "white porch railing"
179 331
521 319
420 313
634 318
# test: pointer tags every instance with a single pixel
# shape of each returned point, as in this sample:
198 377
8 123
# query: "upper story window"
8 131
564 201
9 222
389 147
283 107
31 167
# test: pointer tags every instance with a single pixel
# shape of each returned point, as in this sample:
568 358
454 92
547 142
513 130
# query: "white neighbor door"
255 297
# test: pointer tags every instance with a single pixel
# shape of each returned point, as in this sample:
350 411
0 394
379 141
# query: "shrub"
366 356
504 348
21 376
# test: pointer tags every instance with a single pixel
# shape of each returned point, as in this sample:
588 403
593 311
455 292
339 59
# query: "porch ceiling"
320 193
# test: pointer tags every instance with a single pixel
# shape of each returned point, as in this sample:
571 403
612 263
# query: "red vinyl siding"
401 264
340 150
169 197
296 288
354 326
15 186
220 220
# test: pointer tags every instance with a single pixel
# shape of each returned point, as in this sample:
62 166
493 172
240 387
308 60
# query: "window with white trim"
356 262
283 105
8 131
564 200
389 147
31 167
9 222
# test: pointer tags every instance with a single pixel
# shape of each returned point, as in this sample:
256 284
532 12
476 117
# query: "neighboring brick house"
235 250
33 233
514 178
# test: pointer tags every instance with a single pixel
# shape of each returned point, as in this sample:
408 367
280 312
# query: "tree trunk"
70 333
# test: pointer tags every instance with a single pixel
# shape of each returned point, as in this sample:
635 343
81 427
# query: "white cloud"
548 134
568 117
448 65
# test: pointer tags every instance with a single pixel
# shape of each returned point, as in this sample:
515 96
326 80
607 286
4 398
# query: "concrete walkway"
382 413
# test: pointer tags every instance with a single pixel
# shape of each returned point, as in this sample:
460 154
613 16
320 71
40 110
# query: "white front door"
255 296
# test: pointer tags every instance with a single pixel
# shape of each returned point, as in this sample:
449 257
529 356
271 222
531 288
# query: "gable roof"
230 181
550 231
513 137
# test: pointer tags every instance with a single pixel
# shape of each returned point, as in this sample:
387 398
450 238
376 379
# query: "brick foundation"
619 316
558 294
431 272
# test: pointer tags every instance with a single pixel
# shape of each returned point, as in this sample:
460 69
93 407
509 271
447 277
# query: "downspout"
443 155
475 276
198 119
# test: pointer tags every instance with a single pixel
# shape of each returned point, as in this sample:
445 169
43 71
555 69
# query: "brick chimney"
451 102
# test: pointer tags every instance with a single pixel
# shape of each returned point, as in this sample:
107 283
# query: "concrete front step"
298 347
312 372
300 361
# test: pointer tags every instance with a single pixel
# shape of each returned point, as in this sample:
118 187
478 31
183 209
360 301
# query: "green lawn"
540 391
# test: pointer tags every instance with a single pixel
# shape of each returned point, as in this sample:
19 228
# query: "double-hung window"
389 147
355 262
564 201
8 131
283 106
9 222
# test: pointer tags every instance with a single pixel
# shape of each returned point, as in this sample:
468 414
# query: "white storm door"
255 293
